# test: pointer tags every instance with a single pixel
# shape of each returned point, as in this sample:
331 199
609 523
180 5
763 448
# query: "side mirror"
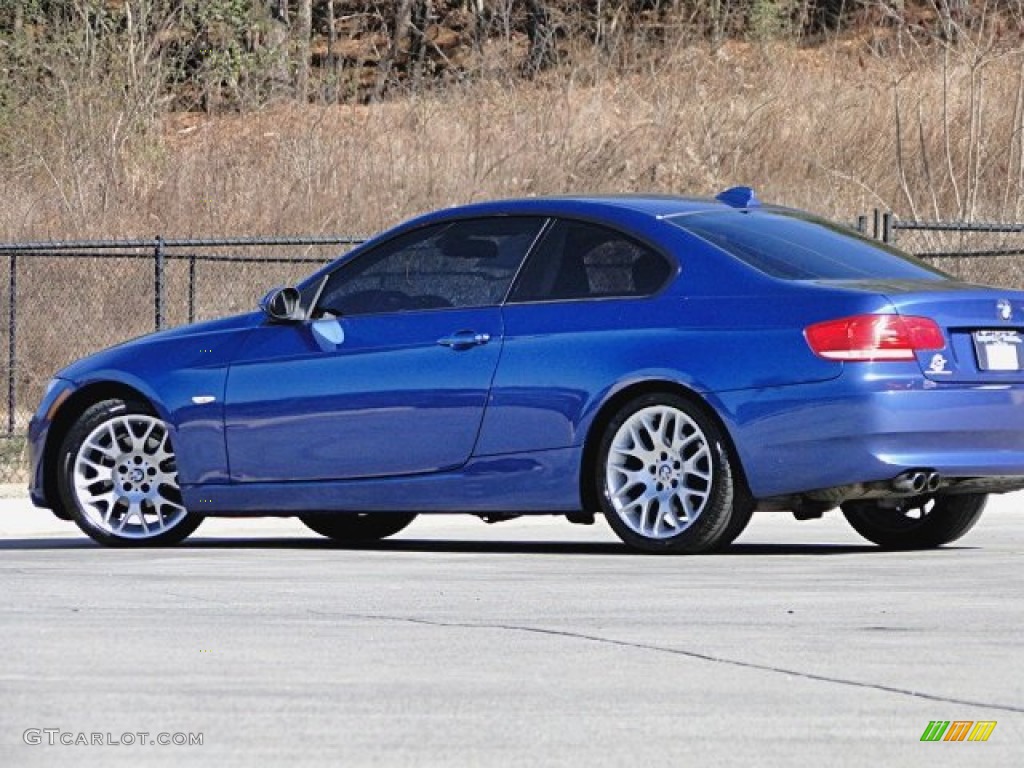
282 305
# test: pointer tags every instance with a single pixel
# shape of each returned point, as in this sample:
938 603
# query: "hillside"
136 118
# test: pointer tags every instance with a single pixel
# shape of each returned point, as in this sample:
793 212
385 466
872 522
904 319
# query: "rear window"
794 246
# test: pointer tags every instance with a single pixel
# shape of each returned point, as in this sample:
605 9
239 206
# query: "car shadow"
449 546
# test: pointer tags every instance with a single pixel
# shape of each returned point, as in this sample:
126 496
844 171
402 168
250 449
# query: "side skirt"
543 482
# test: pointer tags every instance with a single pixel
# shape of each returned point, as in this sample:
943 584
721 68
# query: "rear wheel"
665 476
921 522
119 477
356 527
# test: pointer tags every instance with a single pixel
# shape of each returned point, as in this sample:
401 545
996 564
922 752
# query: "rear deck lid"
983 327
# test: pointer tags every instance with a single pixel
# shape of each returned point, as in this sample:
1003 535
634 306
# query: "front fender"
183 376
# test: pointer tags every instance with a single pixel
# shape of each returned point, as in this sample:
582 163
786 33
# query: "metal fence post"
876 229
191 287
887 229
862 224
158 283
12 340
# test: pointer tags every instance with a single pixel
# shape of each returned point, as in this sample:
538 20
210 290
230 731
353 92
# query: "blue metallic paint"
539 481
167 369
388 401
862 428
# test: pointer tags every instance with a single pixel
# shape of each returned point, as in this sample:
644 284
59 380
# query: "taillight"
874 337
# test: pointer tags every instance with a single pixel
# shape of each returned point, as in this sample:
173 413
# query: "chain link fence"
64 300
976 252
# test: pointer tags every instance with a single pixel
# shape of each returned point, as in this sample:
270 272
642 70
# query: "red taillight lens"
874 337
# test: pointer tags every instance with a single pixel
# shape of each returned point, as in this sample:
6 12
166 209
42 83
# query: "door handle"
464 340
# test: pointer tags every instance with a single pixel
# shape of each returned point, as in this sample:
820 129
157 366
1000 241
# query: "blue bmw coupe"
674 364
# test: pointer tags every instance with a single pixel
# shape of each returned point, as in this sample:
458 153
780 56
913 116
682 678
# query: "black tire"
918 523
352 527
697 469
134 441
739 519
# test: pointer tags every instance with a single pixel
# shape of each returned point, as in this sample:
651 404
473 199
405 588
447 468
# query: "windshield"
795 246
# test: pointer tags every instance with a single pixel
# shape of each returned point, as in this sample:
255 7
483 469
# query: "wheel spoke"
109 451
665 424
163 451
669 517
651 429
636 439
631 477
110 510
102 470
656 519
698 473
165 502
140 513
107 496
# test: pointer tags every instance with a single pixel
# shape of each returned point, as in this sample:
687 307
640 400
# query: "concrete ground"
532 642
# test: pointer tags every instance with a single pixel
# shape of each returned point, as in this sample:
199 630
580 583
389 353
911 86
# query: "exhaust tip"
914 481
934 481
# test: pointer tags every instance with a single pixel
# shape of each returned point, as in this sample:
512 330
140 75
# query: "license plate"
998 350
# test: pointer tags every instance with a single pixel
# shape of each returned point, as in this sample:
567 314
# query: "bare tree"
387 64
302 35
332 58
541 32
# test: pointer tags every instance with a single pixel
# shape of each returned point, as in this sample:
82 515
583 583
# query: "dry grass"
932 133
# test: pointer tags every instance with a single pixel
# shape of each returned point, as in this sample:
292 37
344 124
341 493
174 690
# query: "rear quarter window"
582 260
792 246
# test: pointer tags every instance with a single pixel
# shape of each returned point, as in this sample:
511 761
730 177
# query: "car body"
674 363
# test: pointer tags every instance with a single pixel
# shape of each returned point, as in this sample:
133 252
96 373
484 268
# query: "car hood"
147 348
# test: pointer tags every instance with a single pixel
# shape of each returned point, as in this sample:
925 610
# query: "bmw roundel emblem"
1004 310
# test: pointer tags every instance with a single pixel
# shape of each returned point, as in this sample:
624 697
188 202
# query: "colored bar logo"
958 730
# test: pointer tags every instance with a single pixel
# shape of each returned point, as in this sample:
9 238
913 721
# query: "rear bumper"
793 440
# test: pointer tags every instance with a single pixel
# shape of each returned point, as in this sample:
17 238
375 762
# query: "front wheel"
665 477
119 477
917 523
358 527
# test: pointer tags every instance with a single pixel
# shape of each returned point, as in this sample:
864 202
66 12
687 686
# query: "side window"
456 264
578 260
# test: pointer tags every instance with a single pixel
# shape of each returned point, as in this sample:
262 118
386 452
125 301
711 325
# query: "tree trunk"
303 33
387 64
332 60
542 38
419 20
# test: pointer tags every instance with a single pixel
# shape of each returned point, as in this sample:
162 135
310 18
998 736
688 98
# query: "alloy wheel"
658 474
125 478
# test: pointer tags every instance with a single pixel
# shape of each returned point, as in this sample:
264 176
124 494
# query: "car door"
390 374
577 320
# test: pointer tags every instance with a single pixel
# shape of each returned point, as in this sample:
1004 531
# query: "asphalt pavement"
532 642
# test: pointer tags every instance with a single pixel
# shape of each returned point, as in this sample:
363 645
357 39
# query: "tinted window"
457 264
796 247
576 260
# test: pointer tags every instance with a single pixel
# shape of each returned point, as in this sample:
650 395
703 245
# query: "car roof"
655 206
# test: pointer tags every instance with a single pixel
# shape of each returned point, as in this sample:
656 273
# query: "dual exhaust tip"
917 481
